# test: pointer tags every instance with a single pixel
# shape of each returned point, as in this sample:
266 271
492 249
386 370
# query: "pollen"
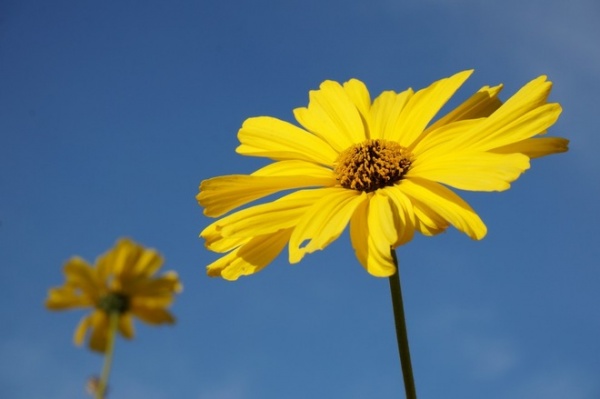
372 164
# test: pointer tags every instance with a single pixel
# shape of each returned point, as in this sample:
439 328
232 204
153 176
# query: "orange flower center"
372 164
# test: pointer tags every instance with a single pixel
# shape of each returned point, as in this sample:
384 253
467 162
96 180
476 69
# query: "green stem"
108 356
401 334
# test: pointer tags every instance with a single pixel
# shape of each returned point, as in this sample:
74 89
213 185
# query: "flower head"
381 166
122 281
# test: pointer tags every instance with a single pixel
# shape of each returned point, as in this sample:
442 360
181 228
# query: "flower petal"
403 213
165 285
522 116
332 115
222 194
446 138
535 147
120 260
273 138
372 233
153 316
81 275
475 171
99 336
148 263
81 330
62 298
382 234
529 97
323 222
494 133
251 257
126 325
480 105
235 229
385 114
359 95
445 203
423 106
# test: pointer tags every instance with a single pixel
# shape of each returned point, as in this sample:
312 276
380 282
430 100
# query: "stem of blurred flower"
108 356
401 334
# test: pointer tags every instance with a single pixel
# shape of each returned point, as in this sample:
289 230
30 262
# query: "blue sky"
111 113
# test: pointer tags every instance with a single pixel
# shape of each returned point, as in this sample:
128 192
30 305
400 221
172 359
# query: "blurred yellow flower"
380 166
121 281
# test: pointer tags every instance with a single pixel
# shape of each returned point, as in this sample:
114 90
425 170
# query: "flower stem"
401 334
108 356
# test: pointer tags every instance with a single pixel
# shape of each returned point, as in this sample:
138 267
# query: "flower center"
114 302
372 164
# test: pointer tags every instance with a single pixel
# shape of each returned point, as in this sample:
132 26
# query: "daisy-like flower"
122 281
381 166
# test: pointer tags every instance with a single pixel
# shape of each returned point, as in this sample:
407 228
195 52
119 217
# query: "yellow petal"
126 325
427 221
62 298
251 257
385 114
382 218
148 263
222 194
118 261
475 171
99 335
156 300
323 222
235 229
215 241
439 200
529 97
359 233
382 234
81 275
154 316
423 106
81 330
445 138
403 213
480 105
332 115
273 138
370 238
494 133
294 168
359 95
166 284
535 147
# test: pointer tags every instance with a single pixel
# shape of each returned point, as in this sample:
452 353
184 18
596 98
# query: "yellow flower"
380 166
121 281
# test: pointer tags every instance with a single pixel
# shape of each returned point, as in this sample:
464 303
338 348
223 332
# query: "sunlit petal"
222 194
535 147
323 222
126 326
443 202
251 257
273 138
474 171
332 115
385 114
423 106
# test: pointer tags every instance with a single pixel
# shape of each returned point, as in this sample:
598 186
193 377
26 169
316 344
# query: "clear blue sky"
111 113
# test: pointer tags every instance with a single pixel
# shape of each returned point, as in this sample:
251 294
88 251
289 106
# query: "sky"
112 113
